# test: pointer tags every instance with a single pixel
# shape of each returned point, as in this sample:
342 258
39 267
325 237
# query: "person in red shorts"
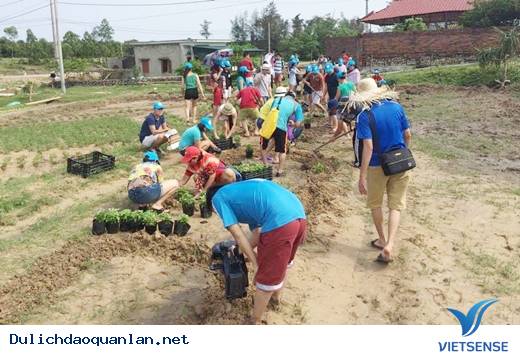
208 169
277 221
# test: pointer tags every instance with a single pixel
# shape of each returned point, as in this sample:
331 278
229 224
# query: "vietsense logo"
469 323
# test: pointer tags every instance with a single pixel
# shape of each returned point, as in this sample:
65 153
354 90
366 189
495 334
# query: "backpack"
269 124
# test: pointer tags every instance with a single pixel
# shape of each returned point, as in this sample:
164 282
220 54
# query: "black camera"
226 257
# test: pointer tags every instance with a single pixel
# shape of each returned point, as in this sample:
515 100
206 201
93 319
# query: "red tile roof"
409 8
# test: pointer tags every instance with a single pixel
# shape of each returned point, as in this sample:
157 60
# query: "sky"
156 22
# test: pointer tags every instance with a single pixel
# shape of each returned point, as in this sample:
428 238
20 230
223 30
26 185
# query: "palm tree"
501 56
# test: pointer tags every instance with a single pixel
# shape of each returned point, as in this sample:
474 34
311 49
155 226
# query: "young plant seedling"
318 168
111 216
149 218
184 219
164 217
187 200
126 215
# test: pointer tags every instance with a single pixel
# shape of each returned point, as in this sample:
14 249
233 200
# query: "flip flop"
374 245
383 260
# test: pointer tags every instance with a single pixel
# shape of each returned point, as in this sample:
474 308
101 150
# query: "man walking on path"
277 221
393 131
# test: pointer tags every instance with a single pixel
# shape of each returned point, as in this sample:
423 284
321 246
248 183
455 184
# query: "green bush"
197 68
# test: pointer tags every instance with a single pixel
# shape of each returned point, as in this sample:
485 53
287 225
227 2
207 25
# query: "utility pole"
368 26
58 54
269 36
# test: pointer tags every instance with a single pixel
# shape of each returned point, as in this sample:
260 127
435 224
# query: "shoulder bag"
396 160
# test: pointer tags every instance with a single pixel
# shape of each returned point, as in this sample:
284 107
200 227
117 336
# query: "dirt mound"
59 269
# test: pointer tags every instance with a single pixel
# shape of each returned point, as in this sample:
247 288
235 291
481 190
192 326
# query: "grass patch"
48 234
100 130
493 275
459 75
93 93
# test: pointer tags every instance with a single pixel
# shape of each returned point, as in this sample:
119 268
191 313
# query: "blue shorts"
332 106
145 195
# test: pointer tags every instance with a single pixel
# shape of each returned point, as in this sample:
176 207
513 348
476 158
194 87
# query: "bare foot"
158 206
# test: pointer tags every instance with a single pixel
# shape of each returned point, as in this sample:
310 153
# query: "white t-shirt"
268 58
262 83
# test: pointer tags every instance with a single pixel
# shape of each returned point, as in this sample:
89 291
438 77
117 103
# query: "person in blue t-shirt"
197 137
277 221
393 131
288 107
154 130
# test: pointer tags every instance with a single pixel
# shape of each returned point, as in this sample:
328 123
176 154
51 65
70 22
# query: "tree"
297 24
491 13
501 56
71 45
31 38
270 17
204 29
103 32
411 24
12 34
240 28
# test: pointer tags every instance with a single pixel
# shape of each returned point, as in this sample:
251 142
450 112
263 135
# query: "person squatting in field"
277 221
196 136
154 130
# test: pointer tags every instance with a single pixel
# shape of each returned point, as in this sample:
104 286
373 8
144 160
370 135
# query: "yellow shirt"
152 170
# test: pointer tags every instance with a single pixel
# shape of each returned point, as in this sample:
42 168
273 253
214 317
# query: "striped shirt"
278 66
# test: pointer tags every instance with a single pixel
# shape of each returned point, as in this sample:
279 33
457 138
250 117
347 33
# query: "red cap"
191 152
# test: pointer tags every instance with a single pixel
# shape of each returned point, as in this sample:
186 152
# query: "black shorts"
280 141
307 89
191 94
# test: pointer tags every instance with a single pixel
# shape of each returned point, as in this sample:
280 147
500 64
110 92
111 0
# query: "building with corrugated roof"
433 12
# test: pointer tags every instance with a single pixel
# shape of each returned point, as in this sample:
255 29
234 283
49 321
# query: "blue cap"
188 65
351 62
329 68
341 75
157 105
225 63
308 68
315 69
243 69
340 61
376 71
150 156
206 121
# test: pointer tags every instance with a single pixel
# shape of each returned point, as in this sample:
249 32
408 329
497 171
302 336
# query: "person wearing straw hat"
392 130
228 114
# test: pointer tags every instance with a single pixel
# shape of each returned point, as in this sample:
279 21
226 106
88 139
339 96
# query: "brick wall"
413 47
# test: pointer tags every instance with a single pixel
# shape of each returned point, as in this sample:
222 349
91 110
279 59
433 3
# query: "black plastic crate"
90 164
266 173
224 144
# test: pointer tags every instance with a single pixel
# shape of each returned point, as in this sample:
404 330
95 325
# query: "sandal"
381 259
374 245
